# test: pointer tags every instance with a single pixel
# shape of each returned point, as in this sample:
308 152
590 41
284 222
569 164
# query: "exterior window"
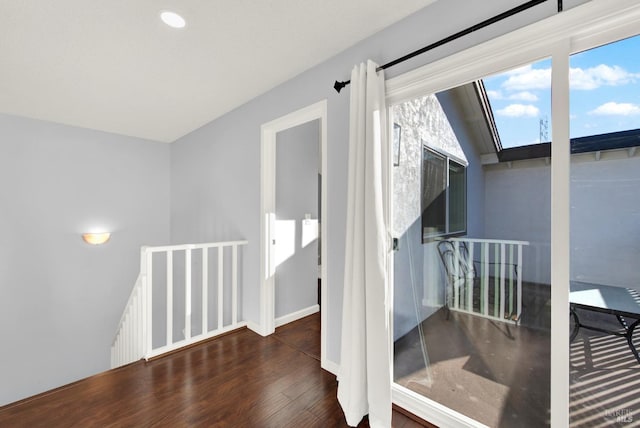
444 196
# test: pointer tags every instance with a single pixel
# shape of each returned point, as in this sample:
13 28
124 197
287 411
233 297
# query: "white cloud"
519 110
527 78
600 75
494 95
524 96
616 109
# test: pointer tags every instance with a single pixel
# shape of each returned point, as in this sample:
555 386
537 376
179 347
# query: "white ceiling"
114 66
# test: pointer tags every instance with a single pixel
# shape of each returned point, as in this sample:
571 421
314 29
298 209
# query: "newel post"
146 283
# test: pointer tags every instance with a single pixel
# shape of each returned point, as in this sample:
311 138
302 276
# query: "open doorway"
294 176
297 233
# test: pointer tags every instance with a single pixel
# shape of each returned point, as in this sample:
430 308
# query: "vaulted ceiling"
115 66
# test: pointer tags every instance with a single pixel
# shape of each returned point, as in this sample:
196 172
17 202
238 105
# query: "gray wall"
518 207
61 299
605 216
297 161
215 175
605 219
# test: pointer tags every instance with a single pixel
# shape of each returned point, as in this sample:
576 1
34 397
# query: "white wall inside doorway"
297 160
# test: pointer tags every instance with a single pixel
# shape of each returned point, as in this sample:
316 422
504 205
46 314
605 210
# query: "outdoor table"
618 301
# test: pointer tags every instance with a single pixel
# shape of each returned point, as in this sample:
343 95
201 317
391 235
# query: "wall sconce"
96 238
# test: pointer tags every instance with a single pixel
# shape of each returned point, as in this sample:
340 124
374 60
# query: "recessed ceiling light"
172 19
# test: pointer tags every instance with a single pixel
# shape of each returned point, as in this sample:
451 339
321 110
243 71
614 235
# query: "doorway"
297 235
287 230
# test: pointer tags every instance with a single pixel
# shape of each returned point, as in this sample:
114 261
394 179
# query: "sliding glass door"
471 209
500 215
605 227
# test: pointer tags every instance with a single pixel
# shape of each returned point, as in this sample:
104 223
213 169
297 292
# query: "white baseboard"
286 319
256 328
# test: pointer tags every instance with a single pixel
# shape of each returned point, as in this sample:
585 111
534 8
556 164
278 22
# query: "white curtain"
364 378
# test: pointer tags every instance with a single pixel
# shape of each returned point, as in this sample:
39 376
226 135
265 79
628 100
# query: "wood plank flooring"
303 335
238 380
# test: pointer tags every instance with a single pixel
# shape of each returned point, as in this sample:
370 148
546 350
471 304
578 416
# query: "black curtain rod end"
339 85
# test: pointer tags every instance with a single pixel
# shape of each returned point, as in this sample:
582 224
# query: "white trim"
588 25
192 341
432 411
560 241
256 328
388 208
294 316
267 209
442 152
491 241
489 159
583 27
183 247
324 234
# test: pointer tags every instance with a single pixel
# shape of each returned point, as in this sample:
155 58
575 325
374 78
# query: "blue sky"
605 94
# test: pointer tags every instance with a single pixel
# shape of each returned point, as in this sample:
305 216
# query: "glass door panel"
471 213
605 231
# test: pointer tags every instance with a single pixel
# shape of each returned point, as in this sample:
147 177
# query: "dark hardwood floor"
303 335
238 380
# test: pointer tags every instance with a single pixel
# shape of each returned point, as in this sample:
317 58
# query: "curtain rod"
339 85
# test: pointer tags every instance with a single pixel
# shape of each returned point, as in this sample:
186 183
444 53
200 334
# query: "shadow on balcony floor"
498 373
604 376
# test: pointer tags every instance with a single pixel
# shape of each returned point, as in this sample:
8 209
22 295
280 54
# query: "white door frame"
583 27
267 215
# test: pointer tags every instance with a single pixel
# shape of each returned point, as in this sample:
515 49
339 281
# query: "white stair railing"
134 339
128 345
492 284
